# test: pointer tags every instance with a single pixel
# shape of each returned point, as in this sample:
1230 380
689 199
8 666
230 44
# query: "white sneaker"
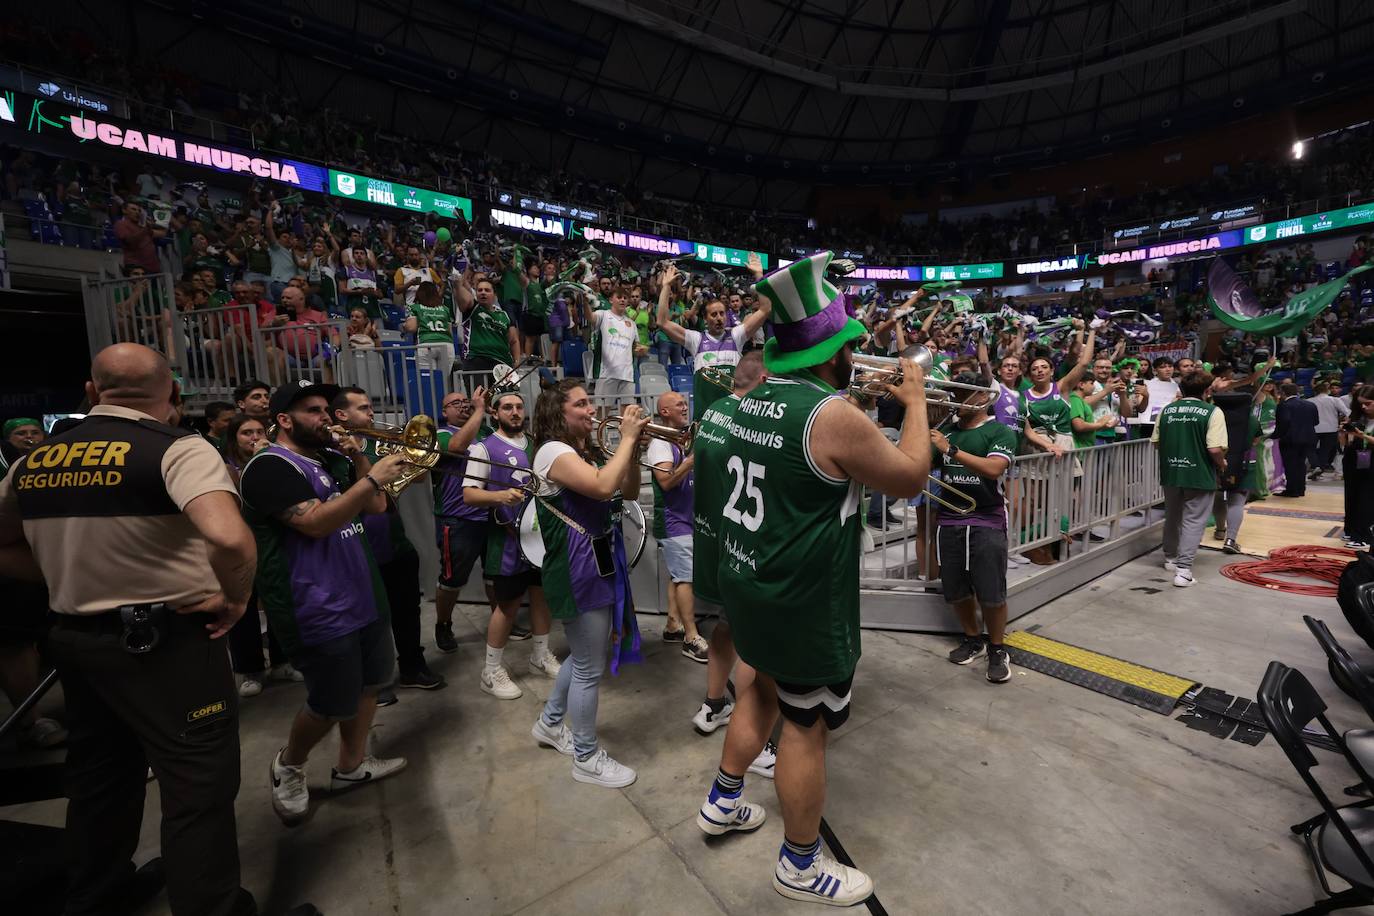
1015 559
547 666
290 794
726 815
250 686
286 673
559 738
44 733
1170 565
826 881
600 769
1183 578
766 761
370 770
498 684
706 721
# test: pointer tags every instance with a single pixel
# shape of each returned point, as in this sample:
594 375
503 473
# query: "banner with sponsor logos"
720 254
1307 225
55 120
61 90
553 226
511 201
385 193
963 272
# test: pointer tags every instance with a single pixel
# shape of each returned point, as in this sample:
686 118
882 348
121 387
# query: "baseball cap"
291 392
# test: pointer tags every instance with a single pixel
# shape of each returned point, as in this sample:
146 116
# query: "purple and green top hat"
809 319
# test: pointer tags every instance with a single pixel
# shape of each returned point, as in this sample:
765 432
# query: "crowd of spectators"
356 141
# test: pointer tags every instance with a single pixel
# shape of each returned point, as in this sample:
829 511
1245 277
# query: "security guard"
136 528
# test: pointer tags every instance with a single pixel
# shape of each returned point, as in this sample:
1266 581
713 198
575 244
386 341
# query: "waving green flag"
1236 305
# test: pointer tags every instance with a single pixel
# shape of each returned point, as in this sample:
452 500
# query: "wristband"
373 480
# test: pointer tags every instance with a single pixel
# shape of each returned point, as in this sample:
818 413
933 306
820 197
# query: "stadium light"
1298 149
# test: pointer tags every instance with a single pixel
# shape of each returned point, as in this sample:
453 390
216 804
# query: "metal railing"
1086 498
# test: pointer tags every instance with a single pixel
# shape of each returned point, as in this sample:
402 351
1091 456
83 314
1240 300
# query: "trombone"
417 444
507 379
683 438
722 377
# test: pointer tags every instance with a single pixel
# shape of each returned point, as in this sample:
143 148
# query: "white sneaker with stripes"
717 818
826 881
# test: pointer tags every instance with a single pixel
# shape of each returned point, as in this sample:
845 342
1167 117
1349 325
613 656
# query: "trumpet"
417 443
683 438
872 375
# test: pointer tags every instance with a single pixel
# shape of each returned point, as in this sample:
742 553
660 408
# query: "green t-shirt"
490 328
1079 410
789 540
1050 413
536 300
641 320
434 323
511 290
987 439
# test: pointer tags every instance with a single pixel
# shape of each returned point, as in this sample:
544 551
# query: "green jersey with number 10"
789 540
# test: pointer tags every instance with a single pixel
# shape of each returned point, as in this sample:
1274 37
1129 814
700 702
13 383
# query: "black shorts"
338 671
973 561
532 325
509 588
462 542
803 704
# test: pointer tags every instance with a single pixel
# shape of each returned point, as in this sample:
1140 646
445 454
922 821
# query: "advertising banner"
1054 265
719 254
1307 225
963 272
385 193
538 205
912 274
60 121
62 91
636 241
527 222
1221 240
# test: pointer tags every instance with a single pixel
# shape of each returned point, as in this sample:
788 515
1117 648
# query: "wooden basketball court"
1314 518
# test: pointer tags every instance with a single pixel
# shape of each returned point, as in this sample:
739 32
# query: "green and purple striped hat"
810 323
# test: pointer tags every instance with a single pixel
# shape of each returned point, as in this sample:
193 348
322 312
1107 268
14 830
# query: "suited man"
1296 431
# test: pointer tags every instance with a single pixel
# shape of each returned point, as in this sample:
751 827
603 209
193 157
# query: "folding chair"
1289 703
1346 673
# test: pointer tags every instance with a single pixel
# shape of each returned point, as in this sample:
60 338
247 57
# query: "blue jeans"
672 354
576 690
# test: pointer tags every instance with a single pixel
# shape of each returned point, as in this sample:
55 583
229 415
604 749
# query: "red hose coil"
1309 561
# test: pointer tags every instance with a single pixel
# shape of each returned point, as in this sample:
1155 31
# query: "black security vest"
106 466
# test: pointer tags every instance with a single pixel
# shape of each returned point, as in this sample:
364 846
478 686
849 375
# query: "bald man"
136 528
673 525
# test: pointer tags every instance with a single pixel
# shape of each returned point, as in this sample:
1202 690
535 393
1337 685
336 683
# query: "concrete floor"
958 796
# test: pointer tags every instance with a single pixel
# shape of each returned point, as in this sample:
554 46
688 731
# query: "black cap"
291 392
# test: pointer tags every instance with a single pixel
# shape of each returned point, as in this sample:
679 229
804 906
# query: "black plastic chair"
1346 673
1289 703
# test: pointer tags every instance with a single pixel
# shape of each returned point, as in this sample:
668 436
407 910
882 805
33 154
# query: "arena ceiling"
785 93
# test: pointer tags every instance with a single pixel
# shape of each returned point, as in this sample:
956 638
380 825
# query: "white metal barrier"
1048 503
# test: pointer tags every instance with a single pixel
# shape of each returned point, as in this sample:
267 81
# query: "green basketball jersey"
434 324
1183 458
706 392
536 300
712 486
789 540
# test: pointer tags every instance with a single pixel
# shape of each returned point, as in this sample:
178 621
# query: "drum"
632 525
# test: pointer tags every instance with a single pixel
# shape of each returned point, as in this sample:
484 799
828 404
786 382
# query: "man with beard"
716 346
496 486
491 337
461 528
799 454
319 583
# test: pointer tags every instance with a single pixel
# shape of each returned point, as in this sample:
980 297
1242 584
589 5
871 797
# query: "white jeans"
435 356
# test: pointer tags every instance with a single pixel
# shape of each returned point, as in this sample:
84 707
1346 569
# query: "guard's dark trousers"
174 709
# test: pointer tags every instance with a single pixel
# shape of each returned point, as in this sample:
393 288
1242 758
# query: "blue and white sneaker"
719 817
826 881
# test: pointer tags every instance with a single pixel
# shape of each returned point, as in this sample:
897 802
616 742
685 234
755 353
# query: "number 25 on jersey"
746 485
